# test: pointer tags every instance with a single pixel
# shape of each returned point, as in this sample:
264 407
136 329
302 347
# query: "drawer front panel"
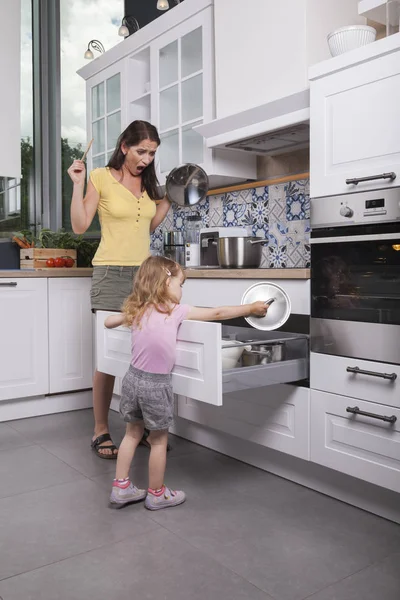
329 374
362 446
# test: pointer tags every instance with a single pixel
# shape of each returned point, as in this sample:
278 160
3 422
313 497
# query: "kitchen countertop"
200 273
194 273
72 272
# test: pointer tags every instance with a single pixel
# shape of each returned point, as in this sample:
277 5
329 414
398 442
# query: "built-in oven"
355 275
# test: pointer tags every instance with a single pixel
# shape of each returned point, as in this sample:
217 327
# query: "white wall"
10 71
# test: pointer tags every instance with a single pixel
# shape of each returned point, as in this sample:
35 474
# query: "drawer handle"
8 284
356 411
355 370
357 180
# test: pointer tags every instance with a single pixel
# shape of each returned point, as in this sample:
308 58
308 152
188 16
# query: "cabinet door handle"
357 180
8 284
355 370
356 411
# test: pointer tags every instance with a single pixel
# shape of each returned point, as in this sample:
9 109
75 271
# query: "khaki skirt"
110 286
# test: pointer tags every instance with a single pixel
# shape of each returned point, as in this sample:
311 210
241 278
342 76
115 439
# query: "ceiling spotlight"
96 45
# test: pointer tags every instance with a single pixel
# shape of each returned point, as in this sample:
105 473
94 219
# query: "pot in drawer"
264 354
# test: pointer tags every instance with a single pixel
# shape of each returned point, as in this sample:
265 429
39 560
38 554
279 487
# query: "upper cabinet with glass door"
180 101
166 73
105 116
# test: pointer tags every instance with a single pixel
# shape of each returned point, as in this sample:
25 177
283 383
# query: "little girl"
154 313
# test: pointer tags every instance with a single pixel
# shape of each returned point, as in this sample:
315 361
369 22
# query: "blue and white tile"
239 196
277 233
216 217
306 255
277 257
179 220
264 258
296 202
216 202
298 231
277 203
237 214
259 207
260 231
295 256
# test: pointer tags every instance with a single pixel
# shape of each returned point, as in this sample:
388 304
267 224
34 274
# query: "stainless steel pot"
262 355
240 252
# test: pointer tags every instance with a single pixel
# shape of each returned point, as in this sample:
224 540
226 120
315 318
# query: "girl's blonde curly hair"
150 289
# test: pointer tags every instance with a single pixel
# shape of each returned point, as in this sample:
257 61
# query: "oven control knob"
346 211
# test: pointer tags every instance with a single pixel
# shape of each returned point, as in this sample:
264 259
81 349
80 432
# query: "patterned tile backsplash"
279 213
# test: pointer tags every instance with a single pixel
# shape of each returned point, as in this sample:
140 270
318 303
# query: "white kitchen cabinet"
354 123
166 76
276 417
24 338
198 370
104 112
198 292
365 379
70 334
363 446
263 48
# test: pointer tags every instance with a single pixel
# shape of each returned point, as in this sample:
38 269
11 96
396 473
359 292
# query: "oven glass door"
355 274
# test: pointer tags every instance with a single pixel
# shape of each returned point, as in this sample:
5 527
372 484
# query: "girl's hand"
259 309
77 172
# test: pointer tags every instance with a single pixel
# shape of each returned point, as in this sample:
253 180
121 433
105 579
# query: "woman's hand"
77 172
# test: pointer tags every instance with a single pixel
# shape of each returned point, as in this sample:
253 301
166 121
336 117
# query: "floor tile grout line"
47 487
74 555
375 562
267 596
67 464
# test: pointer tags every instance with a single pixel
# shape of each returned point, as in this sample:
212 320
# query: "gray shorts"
147 397
110 286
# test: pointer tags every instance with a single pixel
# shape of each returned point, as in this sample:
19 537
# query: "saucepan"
240 252
187 185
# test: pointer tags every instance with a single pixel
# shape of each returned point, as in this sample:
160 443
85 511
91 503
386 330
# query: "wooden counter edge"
247 273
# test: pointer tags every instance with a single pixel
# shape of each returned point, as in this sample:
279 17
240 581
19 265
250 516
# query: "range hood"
273 128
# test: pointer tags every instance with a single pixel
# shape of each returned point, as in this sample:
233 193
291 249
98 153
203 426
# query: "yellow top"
125 222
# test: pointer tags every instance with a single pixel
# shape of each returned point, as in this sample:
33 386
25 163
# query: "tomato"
69 262
59 262
50 262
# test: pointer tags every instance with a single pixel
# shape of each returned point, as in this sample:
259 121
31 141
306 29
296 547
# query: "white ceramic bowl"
348 38
231 354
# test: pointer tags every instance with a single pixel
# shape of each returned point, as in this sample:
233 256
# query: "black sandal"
96 445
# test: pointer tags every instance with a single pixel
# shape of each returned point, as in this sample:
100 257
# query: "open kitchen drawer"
198 372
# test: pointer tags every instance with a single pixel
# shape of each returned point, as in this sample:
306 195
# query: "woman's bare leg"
103 385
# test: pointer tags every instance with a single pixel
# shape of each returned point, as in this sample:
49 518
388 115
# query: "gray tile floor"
243 533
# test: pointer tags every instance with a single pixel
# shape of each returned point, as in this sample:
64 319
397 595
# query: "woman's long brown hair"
150 289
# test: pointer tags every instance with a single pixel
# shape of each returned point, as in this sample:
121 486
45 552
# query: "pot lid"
279 310
187 185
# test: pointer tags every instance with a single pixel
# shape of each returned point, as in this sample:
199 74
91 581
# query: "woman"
124 193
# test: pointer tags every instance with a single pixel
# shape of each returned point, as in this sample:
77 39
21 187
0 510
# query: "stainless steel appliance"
208 242
240 252
174 247
355 275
